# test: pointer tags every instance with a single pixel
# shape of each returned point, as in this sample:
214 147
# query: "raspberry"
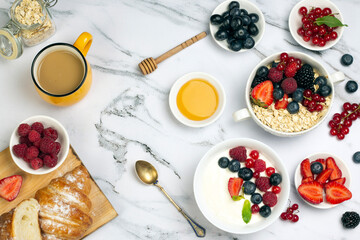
19 150
50 132
36 163
37 143
289 85
24 129
26 141
58 147
275 75
259 165
41 155
238 153
290 69
270 199
34 136
37 126
26 159
263 183
47 145
32 152
49 161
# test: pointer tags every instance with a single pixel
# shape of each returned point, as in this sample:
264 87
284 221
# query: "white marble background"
126 117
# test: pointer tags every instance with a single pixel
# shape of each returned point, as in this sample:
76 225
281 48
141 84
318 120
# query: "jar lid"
11 45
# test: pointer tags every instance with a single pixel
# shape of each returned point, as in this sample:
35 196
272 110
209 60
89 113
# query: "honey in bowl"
197 99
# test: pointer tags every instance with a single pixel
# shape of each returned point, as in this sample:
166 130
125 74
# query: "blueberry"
256 198
274 64
216 19
245 173
276 85
234 4
223 162
278 93
275 179
262 71
249 43
235 12
246 20
316 167
265 211
236 23
293 107
243 12
234 165
298 95
226 23
347 59
226 14
320 81
253 30
351 86
254 17
324 90
221 35
230 39
249 187
236 45
240 33
356 157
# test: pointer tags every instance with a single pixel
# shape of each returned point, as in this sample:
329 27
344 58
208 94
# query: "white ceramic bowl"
200 183
340 163
174 92
248 112
248 6
63 139
295 23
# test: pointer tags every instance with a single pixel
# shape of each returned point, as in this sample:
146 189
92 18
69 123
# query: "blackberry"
350 219
257 80
305 77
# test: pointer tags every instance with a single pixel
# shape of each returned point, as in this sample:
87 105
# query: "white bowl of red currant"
316 24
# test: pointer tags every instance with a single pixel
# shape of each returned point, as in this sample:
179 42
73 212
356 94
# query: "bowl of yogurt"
211 187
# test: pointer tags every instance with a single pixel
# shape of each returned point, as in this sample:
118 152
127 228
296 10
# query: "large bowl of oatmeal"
281 122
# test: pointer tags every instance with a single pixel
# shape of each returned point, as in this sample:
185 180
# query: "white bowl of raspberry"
39 145
308 28
284 116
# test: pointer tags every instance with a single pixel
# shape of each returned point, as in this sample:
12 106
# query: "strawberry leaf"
330 21
237 198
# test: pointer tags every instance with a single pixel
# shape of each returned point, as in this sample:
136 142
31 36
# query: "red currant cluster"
290 213
285 60
312 101
311 31
342 121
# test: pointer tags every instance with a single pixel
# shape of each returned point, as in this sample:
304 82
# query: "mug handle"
83 42
241 114
337 77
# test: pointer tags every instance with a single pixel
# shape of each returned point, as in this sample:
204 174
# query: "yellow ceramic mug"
79 49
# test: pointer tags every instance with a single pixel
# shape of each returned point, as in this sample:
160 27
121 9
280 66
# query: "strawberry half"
306 180
10 187
291 69
330 163
305 168
282 103
322 161
336 193
262 94
234 186
340 180
311 192
324 176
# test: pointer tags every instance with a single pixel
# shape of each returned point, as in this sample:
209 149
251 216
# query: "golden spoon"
148 175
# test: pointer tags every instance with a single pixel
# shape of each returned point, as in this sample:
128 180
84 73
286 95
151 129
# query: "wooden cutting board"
102 210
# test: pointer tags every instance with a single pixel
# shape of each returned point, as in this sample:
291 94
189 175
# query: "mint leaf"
237 198
330 21
246 212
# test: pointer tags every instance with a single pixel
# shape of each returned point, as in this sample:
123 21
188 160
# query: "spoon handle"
199 230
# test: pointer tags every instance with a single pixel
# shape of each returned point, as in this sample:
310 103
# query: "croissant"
65 206
21 223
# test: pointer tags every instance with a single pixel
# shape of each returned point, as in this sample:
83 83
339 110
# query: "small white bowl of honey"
197 99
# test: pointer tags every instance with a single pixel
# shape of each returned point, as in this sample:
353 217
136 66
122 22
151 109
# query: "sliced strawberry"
10 187
330 163
291 69
340 180
336 193
311 192
282 103
322 161
234 186
305 168
324 176
262 94
308 179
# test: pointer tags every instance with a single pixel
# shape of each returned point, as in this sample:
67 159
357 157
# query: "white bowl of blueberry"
237 26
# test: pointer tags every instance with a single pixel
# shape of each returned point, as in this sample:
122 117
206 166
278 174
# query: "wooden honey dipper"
149 65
